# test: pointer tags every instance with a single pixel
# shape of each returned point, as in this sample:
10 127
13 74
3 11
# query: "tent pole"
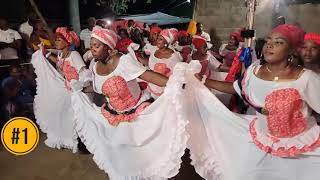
35 8
195 8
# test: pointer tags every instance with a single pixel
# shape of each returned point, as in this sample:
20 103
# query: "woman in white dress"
310 54
151 45
130 138
280 142
207 60
163 59
53 100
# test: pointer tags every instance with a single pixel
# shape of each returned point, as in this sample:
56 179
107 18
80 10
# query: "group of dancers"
141 132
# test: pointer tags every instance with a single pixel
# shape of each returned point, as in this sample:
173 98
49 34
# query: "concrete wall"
305 15
220 17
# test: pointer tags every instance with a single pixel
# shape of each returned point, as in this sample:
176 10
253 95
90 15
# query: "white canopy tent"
158 17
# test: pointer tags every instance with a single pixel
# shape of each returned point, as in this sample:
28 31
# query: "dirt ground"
51 164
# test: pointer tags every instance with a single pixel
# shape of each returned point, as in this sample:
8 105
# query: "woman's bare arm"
154 78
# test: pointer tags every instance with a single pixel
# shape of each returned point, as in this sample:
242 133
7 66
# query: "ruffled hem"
206 166
286 147
62 144
163 168
52 142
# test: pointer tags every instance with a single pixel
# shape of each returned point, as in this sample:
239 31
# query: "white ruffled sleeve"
311 91
77 61
129 68
85 75
213 62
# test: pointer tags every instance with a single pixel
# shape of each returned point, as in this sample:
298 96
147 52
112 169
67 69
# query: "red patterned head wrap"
236 35
198 42
183 34
293 34
155 30
70 37
314 37
106 36
123 45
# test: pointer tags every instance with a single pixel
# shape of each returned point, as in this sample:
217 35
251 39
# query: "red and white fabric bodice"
288 127
121 90
209 64
164 67
70 67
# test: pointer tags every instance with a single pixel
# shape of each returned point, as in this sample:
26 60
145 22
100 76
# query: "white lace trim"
164 167
51 141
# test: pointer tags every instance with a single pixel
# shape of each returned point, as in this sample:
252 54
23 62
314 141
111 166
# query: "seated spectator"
26 86
10 106
10 43
40 35
85 34
25 30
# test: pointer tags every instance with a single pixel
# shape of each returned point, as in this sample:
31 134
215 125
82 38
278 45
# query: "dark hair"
122 30
12 67
258 48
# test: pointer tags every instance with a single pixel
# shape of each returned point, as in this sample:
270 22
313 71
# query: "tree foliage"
117 6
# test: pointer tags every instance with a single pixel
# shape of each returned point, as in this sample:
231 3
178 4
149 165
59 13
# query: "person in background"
164 59
183 45
101 23
85 36
40 35
123 42
130 26
26 28
151 45
310 52
137 37
10 105
227 52
123 34
10 44
86 33
202 33
207 60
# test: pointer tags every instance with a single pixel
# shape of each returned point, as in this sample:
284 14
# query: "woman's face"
276 48
154 37
60 43
123 35
233 41
99 50
310 52
39 26
161 42
203 50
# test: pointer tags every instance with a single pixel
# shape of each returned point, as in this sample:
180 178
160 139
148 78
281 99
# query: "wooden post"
251 5
35 8
195 9
251 13
74 15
